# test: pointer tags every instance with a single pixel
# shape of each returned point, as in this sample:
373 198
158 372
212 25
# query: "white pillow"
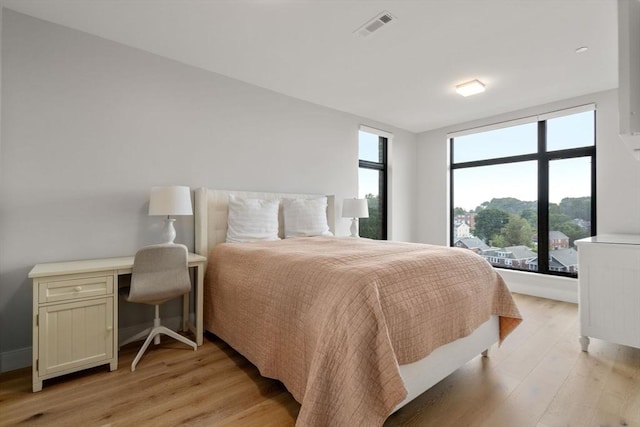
252 219
305 217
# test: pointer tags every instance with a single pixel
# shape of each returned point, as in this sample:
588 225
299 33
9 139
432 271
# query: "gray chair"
160 273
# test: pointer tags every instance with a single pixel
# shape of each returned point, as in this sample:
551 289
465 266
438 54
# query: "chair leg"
136 337
156 323
155 332
152 335
178 337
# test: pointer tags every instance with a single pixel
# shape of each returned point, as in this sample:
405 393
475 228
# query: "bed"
326 317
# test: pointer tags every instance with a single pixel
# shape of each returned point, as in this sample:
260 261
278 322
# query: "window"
526 189
372 182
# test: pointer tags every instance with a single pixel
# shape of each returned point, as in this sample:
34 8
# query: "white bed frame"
211 208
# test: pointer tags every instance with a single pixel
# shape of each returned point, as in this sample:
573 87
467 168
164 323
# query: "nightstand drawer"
74 288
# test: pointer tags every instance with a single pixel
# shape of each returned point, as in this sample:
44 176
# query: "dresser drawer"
74 287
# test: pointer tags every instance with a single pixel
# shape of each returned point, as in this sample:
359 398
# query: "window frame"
382 167
543 158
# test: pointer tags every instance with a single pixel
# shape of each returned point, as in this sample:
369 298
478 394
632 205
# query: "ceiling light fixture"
470 88
582 49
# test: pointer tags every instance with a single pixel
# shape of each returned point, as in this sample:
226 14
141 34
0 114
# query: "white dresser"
609 289
75 314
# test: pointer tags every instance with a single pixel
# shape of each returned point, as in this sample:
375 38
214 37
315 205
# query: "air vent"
375 24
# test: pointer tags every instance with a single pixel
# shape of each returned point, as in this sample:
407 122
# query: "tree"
371 227
481 207
573 231
459 211
498 241
576 207
531 215
490 222
517 232
511 205
556 220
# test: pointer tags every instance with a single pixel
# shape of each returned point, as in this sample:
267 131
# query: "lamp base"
169 233
354 227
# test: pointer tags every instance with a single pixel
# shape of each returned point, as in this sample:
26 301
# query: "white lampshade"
171 200
355 208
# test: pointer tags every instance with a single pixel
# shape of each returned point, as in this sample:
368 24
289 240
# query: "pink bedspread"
333 317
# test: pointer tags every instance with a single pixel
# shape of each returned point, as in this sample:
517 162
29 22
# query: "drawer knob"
109 328
77 288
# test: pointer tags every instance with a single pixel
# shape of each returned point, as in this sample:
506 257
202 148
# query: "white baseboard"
541 285
22 357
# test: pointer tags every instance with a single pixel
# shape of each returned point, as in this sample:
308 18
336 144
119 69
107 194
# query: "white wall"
90 125
617 183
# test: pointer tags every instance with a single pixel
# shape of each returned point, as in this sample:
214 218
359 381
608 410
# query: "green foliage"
489 222
459 211
573 231
557 219
509 205
517 232
576 207
531 215
511 222
371 227
498 241
573 207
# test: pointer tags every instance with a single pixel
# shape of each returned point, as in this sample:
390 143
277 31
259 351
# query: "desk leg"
185 312
198 327
199 303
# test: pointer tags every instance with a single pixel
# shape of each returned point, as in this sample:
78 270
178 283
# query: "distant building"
468 218
558 240
472 243
562 260
511 256
460 230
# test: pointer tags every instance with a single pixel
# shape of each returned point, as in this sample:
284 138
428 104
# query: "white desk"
75 314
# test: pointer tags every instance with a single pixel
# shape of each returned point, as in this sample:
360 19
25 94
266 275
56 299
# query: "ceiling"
402 75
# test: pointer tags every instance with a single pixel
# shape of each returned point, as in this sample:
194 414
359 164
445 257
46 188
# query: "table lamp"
171 200
354 209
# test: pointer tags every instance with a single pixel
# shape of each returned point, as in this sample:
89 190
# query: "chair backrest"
160 273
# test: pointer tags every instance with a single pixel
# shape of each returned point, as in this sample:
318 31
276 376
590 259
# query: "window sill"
541 285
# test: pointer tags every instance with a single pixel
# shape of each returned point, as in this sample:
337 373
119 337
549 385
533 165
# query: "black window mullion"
451 201
543 199
496 161
553 155
571 153
382 141
371 165
593 178
381 167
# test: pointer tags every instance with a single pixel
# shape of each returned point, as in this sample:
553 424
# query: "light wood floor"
538 377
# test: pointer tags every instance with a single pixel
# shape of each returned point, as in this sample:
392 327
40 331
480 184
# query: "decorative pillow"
305 217
252 219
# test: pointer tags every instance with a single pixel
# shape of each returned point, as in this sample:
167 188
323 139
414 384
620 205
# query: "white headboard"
211 210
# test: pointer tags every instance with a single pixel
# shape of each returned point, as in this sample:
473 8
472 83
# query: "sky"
368 179
567 178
